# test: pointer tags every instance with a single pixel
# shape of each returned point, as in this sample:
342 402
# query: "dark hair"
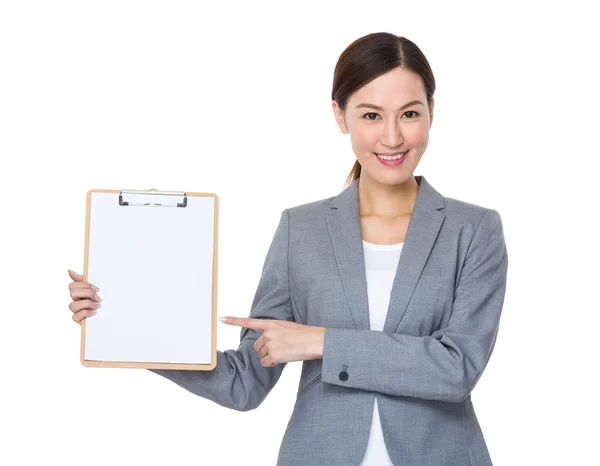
368 58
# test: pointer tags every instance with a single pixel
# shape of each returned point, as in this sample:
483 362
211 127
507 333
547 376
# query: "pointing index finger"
255 324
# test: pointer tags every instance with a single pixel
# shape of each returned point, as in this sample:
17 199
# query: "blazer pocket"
308 385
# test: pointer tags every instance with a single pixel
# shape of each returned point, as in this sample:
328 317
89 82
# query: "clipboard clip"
152 192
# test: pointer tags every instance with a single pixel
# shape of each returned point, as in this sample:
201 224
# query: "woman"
389 292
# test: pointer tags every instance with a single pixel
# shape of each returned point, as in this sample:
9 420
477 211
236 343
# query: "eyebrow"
377 107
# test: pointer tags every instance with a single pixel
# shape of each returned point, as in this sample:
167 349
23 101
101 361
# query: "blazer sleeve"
239 381
446 365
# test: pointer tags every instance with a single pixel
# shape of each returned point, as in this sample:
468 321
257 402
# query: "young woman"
389 292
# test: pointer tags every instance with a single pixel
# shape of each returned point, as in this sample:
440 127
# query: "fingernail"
92 312
223 319
98 298
96 288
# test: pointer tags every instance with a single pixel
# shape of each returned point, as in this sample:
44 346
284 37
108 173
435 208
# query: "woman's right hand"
85 298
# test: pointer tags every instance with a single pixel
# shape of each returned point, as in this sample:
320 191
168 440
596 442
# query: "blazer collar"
343 223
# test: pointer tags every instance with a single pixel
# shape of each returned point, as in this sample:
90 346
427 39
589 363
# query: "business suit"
439 333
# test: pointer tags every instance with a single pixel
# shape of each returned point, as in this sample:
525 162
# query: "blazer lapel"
343 223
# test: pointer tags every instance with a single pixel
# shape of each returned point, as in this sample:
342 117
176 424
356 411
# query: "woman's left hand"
283 341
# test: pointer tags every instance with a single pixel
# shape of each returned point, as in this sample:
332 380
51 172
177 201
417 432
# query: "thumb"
75 276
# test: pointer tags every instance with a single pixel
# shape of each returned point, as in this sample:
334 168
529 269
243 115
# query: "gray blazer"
439 333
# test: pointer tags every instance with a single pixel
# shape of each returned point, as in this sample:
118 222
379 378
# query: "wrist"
319 342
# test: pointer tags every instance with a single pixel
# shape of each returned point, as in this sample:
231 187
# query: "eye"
412 111
366 115
371 113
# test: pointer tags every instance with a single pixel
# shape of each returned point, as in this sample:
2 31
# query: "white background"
234 98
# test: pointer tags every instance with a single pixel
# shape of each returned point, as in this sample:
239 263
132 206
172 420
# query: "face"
381 119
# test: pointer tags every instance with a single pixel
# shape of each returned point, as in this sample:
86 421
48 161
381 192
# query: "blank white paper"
154 267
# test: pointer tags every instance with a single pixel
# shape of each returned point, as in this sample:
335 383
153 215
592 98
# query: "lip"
392 163
390 153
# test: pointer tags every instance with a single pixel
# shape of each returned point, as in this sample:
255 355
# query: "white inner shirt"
381 263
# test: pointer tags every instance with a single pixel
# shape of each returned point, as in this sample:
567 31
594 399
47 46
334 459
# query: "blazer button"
343 376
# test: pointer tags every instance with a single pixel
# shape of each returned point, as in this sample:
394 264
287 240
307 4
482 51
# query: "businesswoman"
390 292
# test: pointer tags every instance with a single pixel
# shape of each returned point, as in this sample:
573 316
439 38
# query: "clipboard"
153 255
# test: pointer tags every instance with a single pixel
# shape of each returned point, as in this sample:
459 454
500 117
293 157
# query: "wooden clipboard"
123 229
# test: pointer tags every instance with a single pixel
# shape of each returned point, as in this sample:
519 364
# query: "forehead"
391 90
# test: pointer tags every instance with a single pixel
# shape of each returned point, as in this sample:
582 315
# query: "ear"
339 117
431 113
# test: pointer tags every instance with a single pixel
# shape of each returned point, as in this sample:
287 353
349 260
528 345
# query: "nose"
391 136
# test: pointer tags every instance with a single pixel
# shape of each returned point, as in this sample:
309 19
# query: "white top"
381 263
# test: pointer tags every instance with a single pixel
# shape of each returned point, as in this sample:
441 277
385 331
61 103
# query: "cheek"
364 138
417 135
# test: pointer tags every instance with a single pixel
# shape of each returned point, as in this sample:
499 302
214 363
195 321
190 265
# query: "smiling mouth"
391 157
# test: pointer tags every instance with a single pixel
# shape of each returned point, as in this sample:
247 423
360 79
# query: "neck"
387 200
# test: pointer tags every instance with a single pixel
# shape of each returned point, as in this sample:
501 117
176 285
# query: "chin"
393 179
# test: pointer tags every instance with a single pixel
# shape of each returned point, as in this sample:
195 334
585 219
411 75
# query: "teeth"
390 157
